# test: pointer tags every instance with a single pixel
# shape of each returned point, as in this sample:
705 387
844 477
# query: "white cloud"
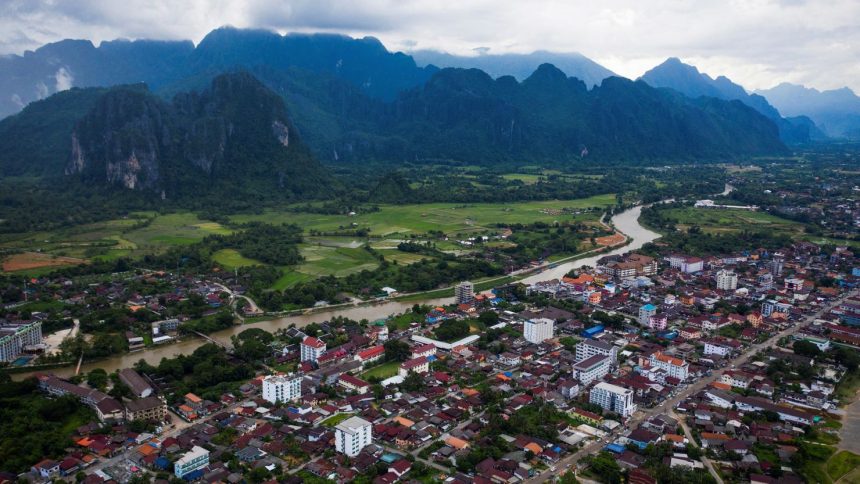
758 43
64 79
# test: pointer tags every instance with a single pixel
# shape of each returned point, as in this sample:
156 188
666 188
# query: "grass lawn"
336 419
718 220
842 463
321 260
232 259
450 218
383 371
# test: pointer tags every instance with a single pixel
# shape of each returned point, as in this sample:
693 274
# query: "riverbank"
625 222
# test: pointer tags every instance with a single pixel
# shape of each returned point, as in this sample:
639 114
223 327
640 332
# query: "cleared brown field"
608 240
35 260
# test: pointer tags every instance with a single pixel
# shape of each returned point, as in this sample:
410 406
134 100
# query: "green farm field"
451 218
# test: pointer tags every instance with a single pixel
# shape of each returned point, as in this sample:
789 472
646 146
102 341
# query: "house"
415 365
47 468
353 384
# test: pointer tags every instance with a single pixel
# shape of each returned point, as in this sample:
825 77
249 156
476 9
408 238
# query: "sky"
757 43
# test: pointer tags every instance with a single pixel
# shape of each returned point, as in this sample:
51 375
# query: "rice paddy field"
450 218
146 233
721 220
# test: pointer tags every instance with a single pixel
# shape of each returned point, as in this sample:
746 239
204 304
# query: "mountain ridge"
836 110
688 80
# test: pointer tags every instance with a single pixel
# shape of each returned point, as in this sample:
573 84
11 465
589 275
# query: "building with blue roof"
592 331
645 313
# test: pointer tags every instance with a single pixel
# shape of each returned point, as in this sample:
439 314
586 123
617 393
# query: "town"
726 368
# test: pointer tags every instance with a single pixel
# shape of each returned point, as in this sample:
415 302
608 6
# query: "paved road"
700 384
689 435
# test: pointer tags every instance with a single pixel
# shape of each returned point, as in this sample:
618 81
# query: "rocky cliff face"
237 129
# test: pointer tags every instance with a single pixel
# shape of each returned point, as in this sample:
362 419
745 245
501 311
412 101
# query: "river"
626 222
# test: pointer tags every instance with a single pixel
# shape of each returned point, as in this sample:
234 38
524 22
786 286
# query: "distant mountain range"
58 66
249 109
837 112
520 66
687 80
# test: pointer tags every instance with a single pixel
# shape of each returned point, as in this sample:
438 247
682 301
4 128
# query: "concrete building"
658 322
777 264
352 435
538 330
645 313
587 348
151 409
14 337
415 365
613 398
195 459
628 266
674 367
282 388
727 280
464 293
312 348
591 369
135 382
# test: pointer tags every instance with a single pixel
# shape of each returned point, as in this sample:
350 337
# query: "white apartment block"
587 348
312 348
14 337
538 330
645 313
282 388
674 367
195 459
464 293
613 398
727 280
591 369
716 349
352 435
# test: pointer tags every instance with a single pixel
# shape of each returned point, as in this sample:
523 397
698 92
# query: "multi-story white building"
352 435
282 388
464 293
674 367
587 348
716 348
14 337
613 398
591 369
415 365
195 459
645 313
658 322
727 280
312 348
686 264
538 330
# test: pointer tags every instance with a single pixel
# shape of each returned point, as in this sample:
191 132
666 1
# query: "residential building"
717 348
14 337
195 459
417 365
538 330
777 264
282 388
353 384
613 398
311 349
132 379
628 266
645 313
464 293
107 409
658 322
674 367
152 409
428 349
352 435
690 265
727 280
587 348
373 354
591 369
